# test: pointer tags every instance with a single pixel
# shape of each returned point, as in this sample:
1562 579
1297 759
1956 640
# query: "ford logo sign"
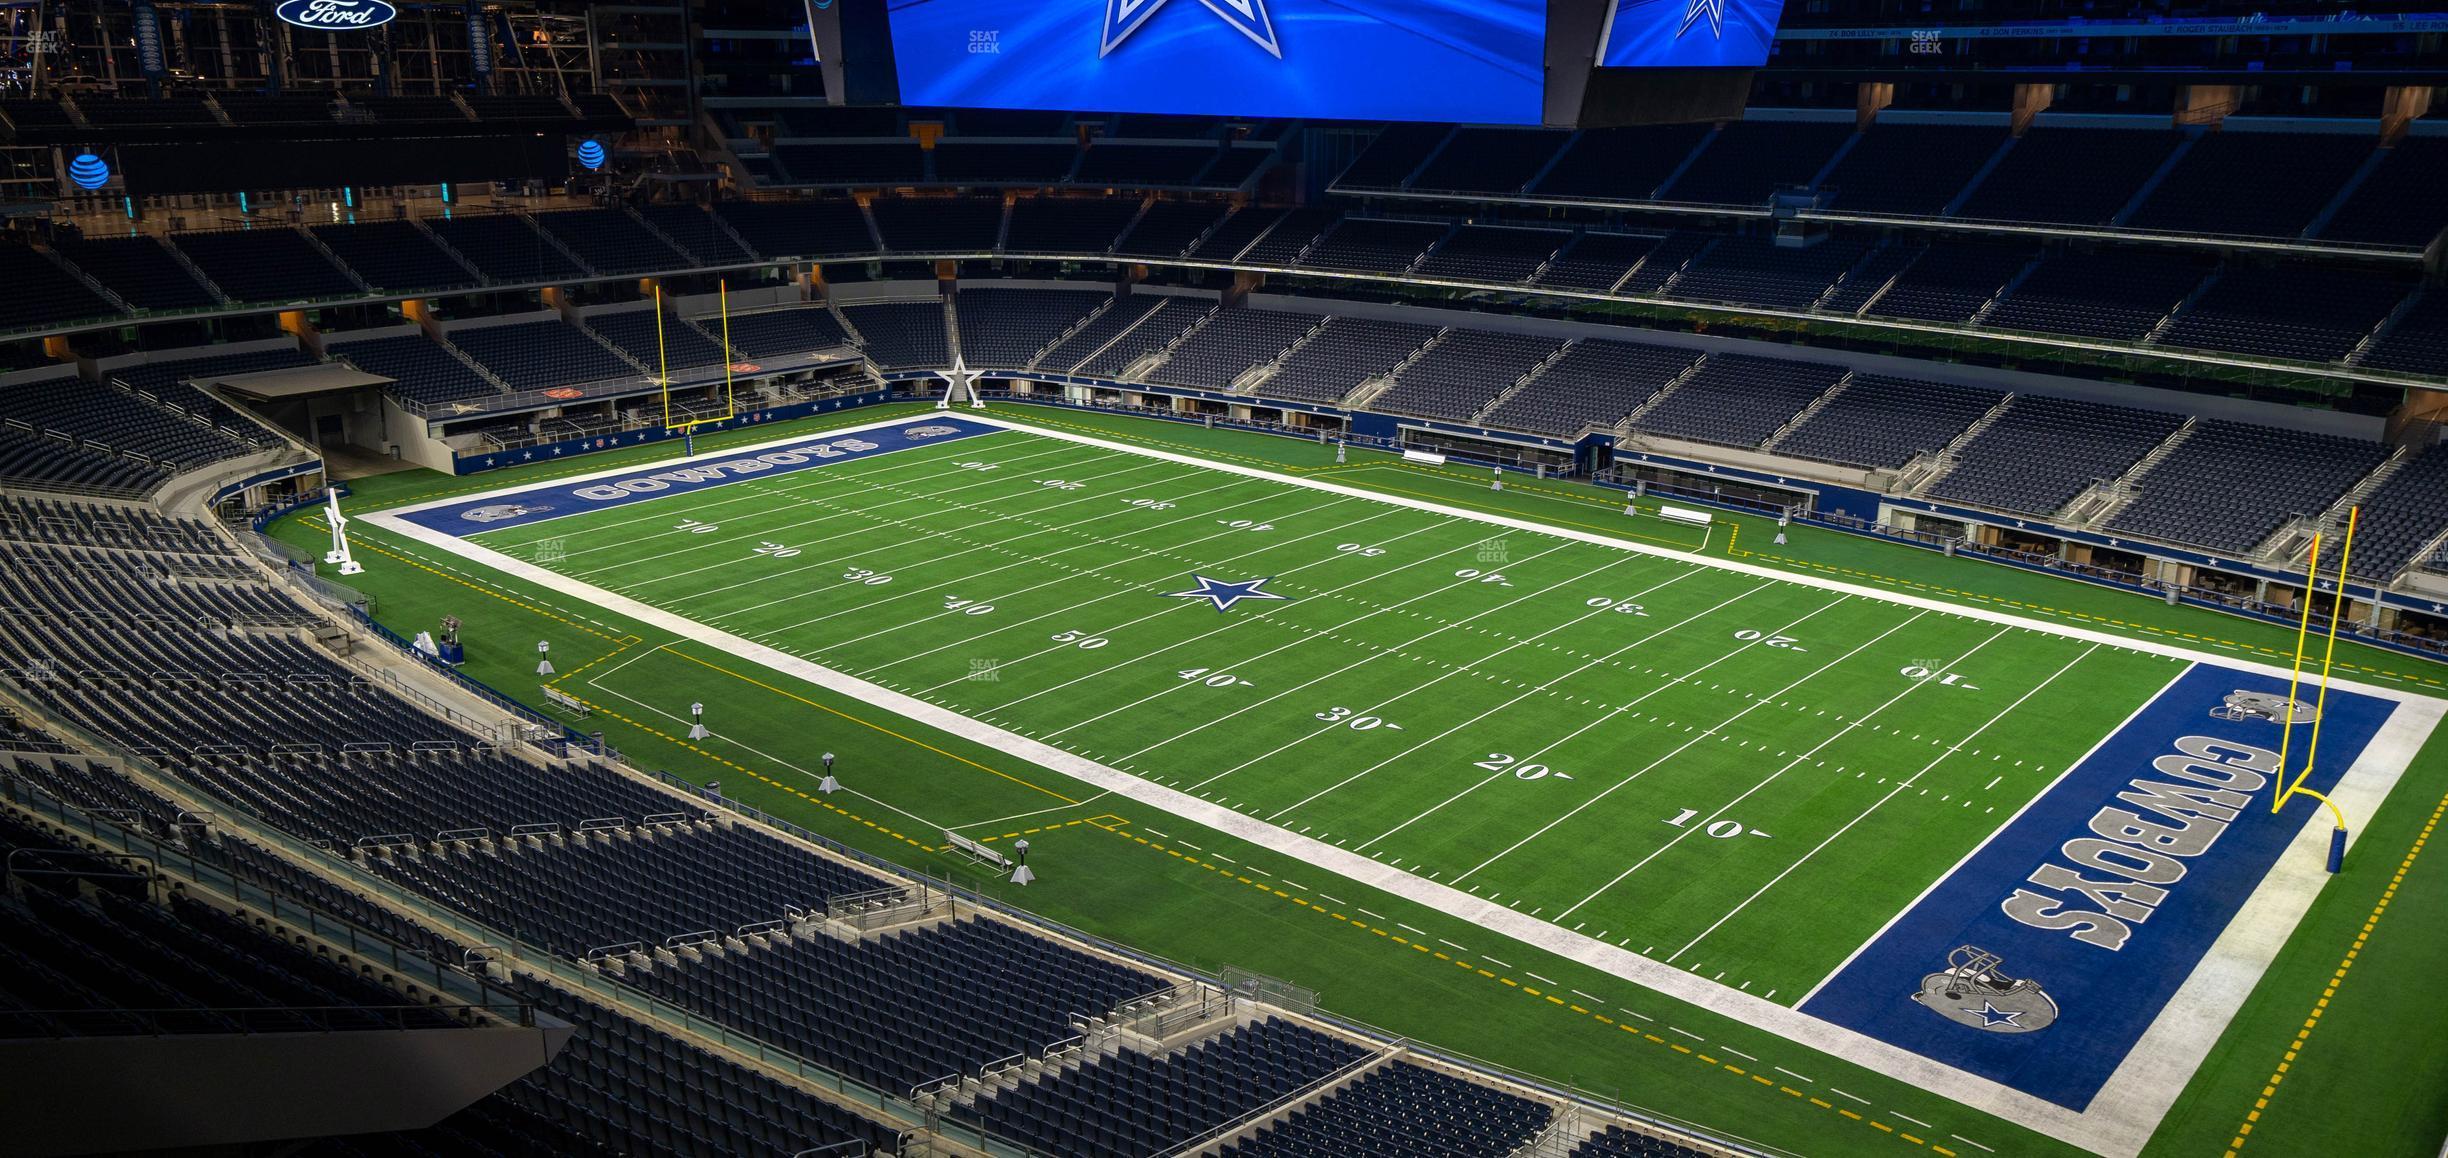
335 15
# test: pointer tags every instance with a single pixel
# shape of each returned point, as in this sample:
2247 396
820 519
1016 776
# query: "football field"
1738 786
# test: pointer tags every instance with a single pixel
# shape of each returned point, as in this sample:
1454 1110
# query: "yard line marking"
793 487
1407 752
1454 671
1311 637
1841 1093
1026 815
1841 733
1031 559
1891 794
991 518
1377 652
833 499
1536 977
1687 1033
1494 961
1065 610
1697 737
1451 945
1168 610
882 465
1492 918
1970 1142
1230 621
1903 1117
1791 1074
1621 709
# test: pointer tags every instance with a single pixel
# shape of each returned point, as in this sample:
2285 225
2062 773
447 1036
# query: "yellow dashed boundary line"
1108 822
864 723
753 774
2336 981
1527 989
626 643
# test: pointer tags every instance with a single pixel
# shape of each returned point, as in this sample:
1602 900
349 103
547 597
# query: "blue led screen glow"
1690 33
1474 61
88 171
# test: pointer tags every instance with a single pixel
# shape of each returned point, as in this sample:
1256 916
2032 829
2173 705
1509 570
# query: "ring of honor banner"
152 58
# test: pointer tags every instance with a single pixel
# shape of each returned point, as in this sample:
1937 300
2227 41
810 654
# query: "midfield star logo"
1123 17
1713 9
1224 594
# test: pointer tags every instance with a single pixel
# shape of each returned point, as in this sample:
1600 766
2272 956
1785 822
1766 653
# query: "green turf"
1675 758
1170 888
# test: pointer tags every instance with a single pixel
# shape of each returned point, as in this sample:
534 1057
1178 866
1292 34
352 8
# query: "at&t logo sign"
331 15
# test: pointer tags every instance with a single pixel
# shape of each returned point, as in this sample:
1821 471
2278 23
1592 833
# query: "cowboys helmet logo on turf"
928 431
2269 706
499 511
1972 991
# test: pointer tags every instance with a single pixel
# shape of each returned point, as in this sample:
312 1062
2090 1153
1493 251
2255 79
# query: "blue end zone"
2102 896
555 500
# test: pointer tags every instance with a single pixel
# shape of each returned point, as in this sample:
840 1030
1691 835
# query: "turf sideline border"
2128 1109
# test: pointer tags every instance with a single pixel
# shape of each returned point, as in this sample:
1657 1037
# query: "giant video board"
1689 33
1473 61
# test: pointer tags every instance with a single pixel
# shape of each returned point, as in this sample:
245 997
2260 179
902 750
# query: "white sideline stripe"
2125 1113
